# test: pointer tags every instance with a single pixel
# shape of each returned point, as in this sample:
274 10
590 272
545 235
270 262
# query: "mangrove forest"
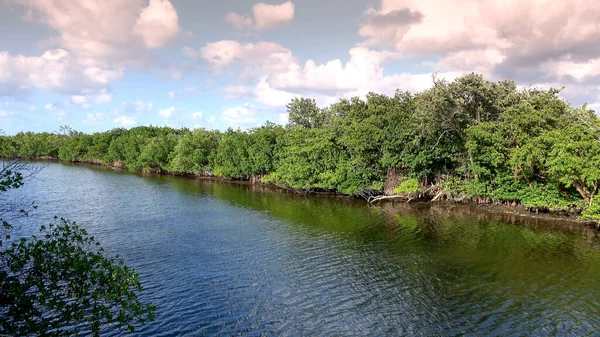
470 139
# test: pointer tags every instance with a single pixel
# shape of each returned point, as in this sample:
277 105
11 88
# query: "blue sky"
97 65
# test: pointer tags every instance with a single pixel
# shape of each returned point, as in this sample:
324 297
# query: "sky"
100 64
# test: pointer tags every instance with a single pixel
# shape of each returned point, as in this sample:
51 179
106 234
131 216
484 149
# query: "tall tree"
304 112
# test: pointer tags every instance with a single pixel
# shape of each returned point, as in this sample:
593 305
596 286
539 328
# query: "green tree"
574 159
60 281
305 113
232 158
195 152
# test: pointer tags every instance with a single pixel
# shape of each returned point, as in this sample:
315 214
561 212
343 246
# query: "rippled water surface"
221 260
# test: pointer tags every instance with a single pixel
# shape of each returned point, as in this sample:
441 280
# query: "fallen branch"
387 197
438 195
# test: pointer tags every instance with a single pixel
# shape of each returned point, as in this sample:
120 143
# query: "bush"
59 281
408 186
592 211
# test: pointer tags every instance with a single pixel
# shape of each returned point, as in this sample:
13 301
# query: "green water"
225 259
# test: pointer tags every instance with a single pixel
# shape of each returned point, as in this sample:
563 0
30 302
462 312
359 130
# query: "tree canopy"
473 137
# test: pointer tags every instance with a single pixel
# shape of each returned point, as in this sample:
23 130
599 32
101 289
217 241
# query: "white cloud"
94 42
264 16
240 115
93 118
86 101
282 118
124 121
167 112
239 21
79 99
141 106
157 24
196 115
190 89
171 94
56 110
265 94
49 107
505 39
268 56
577 70
55 71
211 119
271 16
103 97
540 42
107 31
281 76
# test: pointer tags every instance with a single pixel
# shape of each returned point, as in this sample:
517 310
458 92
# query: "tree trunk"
583 192
472 162
391 180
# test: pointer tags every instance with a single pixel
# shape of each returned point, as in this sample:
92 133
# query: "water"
220 260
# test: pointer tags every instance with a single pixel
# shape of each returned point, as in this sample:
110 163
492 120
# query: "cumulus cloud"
389 25
95 42
264 16
93 118
157 23
538 42
167 112
522 40
241 115
239 21
107 31
56 71
265 55
281 76
56 110
86 101
124 121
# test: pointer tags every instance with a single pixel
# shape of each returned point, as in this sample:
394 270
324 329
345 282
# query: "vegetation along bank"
469 139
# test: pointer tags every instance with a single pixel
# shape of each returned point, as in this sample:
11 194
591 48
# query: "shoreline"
494 208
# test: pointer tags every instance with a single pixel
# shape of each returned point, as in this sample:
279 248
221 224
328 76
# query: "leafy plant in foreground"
59 281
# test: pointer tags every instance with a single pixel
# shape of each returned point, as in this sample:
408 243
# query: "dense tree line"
469 138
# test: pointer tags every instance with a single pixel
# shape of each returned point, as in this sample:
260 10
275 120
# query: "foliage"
593 211
232 157
195 152
305 113
478 138
408 186
61 277
59 281
542 196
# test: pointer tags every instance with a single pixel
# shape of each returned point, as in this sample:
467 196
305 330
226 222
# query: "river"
221 259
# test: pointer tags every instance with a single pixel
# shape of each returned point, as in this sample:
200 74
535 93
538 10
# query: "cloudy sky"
100 64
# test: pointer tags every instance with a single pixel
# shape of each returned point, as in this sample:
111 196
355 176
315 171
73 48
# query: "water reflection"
228 259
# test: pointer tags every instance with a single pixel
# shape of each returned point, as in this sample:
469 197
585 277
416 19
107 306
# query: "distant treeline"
469 139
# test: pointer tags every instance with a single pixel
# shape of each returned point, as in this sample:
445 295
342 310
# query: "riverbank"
502 211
